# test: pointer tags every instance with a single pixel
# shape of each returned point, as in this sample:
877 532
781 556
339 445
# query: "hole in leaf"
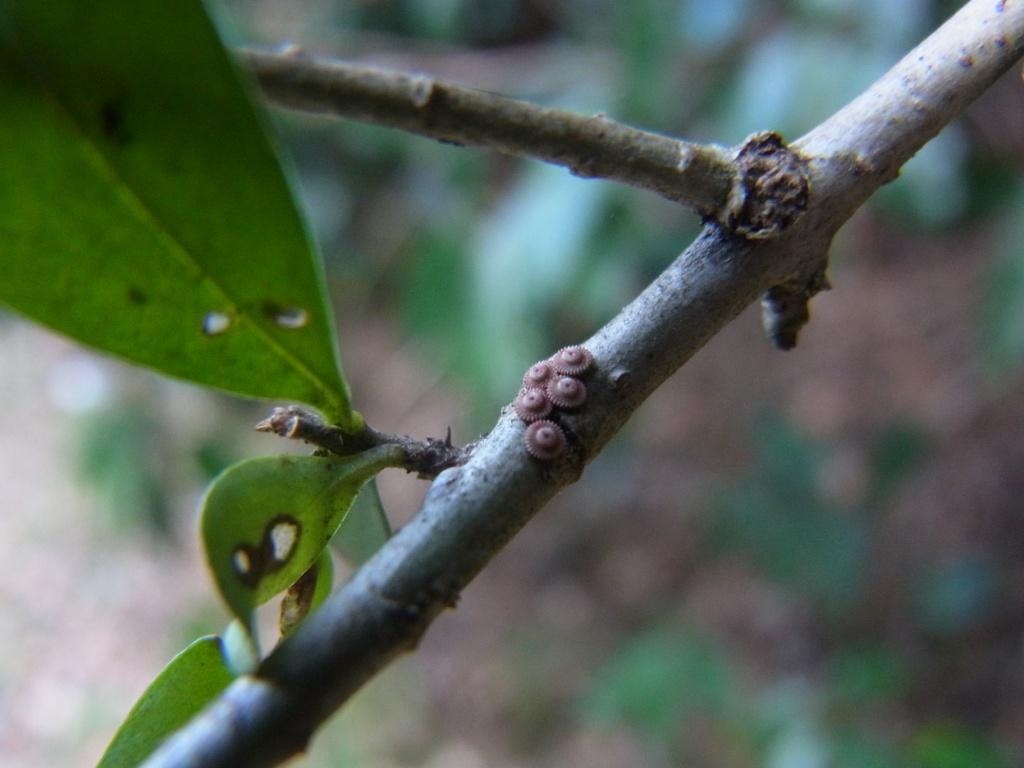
280 538
287 317
242 561
248 564
216 323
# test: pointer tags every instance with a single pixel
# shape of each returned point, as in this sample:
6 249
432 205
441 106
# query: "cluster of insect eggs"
549 385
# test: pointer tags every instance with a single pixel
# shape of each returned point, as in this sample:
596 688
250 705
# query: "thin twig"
427 458
701 176
729 186
471 511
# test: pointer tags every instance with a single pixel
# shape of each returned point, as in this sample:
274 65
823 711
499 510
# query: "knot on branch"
433 456
772 190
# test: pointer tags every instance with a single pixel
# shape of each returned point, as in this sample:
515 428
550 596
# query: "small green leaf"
143 210
188 683
365 528
265 521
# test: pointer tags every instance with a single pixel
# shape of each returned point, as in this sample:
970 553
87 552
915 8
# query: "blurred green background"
803 560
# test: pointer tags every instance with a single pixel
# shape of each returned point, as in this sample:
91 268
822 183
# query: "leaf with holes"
187 684
265 521
143 210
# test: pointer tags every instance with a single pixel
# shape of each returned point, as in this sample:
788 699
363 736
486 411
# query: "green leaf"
143 210
265 521
187 684
365 528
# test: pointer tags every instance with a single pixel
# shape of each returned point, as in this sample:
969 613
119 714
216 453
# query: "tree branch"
701 176
471 511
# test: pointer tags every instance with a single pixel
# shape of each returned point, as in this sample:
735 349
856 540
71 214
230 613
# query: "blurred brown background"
792 560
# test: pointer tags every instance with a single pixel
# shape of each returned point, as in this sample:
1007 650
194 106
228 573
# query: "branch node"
772 190
428 459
